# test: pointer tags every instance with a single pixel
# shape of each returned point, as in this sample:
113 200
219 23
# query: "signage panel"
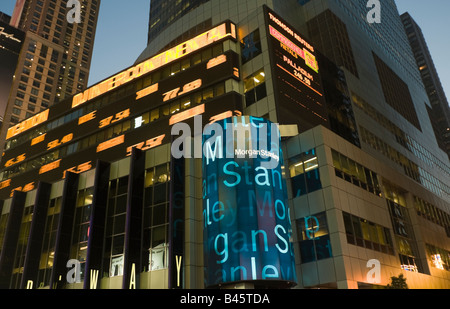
247 229
299 92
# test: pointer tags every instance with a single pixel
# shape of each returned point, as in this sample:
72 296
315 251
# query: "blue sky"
122 34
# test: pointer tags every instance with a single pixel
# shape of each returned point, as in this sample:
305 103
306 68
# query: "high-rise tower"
439 112
56 56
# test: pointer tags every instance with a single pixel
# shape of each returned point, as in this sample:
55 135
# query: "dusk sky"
122 34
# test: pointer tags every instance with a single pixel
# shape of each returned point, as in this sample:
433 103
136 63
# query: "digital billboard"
247 228
298 87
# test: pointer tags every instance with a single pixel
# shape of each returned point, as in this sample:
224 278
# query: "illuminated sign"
5 184
79 168
27 124
298 84
172 94
147 91
246 221
113 119
16 160
7 35
56 143
151 143
38 139
309 58
49 167
289 30
27 188
111 143
216 34
87 118
187 114
216 61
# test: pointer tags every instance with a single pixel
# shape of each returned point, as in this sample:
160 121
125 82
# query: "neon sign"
216 34
27 124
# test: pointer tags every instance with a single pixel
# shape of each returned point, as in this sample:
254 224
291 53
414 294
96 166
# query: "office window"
155 237
314 238
304 173
363 233
49 242
355 173
255 87
81 227
251 46
115 228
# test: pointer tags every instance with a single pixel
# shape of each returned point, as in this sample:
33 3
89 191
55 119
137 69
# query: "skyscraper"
163 13
439 112
131 186
56 57
11 41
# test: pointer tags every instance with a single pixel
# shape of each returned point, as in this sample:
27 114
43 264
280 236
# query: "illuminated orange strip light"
5 184
49 167
38 139
147 91
173 54
27 124
187 114
149 144
111 143
87 118
79 169
300 80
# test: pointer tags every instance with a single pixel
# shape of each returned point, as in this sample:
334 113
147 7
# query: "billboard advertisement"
246 223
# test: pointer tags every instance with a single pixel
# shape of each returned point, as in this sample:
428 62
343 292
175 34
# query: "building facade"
440 111
366 198
56 57
11 42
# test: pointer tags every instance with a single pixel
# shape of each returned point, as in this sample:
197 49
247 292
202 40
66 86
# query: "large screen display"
247 229
300 98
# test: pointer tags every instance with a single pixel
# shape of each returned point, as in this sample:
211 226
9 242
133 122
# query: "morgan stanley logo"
235 138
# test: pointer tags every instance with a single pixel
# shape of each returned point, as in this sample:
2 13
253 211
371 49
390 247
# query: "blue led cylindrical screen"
246 223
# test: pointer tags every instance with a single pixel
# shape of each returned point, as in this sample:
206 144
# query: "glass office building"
366 184
440 111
